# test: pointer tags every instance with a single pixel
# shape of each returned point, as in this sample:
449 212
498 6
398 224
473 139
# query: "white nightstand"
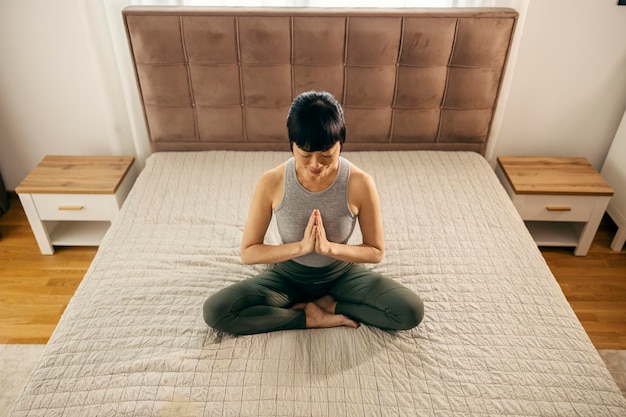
561 200
71 200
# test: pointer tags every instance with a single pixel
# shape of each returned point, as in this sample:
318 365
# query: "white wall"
61 91
568 92
52 99
614 172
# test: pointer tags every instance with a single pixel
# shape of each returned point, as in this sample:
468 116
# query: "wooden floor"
595 286
35 289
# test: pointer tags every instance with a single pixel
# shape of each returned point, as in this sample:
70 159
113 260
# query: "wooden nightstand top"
552 175
76 175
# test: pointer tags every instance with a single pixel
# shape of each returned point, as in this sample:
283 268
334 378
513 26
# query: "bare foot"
326 303
316 317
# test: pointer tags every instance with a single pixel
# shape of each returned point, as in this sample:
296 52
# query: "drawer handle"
558 208
70 208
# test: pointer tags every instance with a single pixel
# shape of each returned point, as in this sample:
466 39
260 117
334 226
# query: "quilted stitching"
498 337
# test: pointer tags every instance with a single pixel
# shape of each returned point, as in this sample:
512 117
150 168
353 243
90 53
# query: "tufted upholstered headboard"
223 78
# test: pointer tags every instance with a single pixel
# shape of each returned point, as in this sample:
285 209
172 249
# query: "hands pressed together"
314 239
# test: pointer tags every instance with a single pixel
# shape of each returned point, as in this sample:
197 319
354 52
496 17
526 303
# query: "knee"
417 312
214 310
412 312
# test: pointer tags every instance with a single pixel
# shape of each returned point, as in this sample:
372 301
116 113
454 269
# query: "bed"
419 89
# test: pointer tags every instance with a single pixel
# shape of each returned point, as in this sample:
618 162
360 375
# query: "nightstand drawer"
555 207
75 206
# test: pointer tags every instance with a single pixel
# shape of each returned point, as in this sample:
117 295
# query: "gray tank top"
293 212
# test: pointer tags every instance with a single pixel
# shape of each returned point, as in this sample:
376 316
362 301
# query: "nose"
315 161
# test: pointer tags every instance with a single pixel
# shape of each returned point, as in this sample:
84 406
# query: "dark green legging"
262 303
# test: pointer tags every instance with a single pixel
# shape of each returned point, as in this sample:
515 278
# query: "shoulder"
360 178
273 177
362 193
269 188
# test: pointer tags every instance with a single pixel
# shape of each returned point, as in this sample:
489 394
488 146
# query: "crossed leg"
317 316
266 303
368 297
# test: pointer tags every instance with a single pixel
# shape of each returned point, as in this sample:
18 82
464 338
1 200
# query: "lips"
316 171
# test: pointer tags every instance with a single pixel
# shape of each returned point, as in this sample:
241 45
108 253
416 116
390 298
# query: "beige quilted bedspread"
498 338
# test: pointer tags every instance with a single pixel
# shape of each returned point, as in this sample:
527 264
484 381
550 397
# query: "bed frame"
407 78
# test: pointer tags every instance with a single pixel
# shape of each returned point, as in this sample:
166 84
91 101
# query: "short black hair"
315 122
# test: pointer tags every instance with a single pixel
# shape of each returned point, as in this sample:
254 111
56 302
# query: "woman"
315 279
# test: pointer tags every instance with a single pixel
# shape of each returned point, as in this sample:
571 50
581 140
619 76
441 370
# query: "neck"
315 183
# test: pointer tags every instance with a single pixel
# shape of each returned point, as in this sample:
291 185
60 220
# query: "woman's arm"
253 250
365 202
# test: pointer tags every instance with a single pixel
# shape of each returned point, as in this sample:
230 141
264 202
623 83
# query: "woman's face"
317 163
